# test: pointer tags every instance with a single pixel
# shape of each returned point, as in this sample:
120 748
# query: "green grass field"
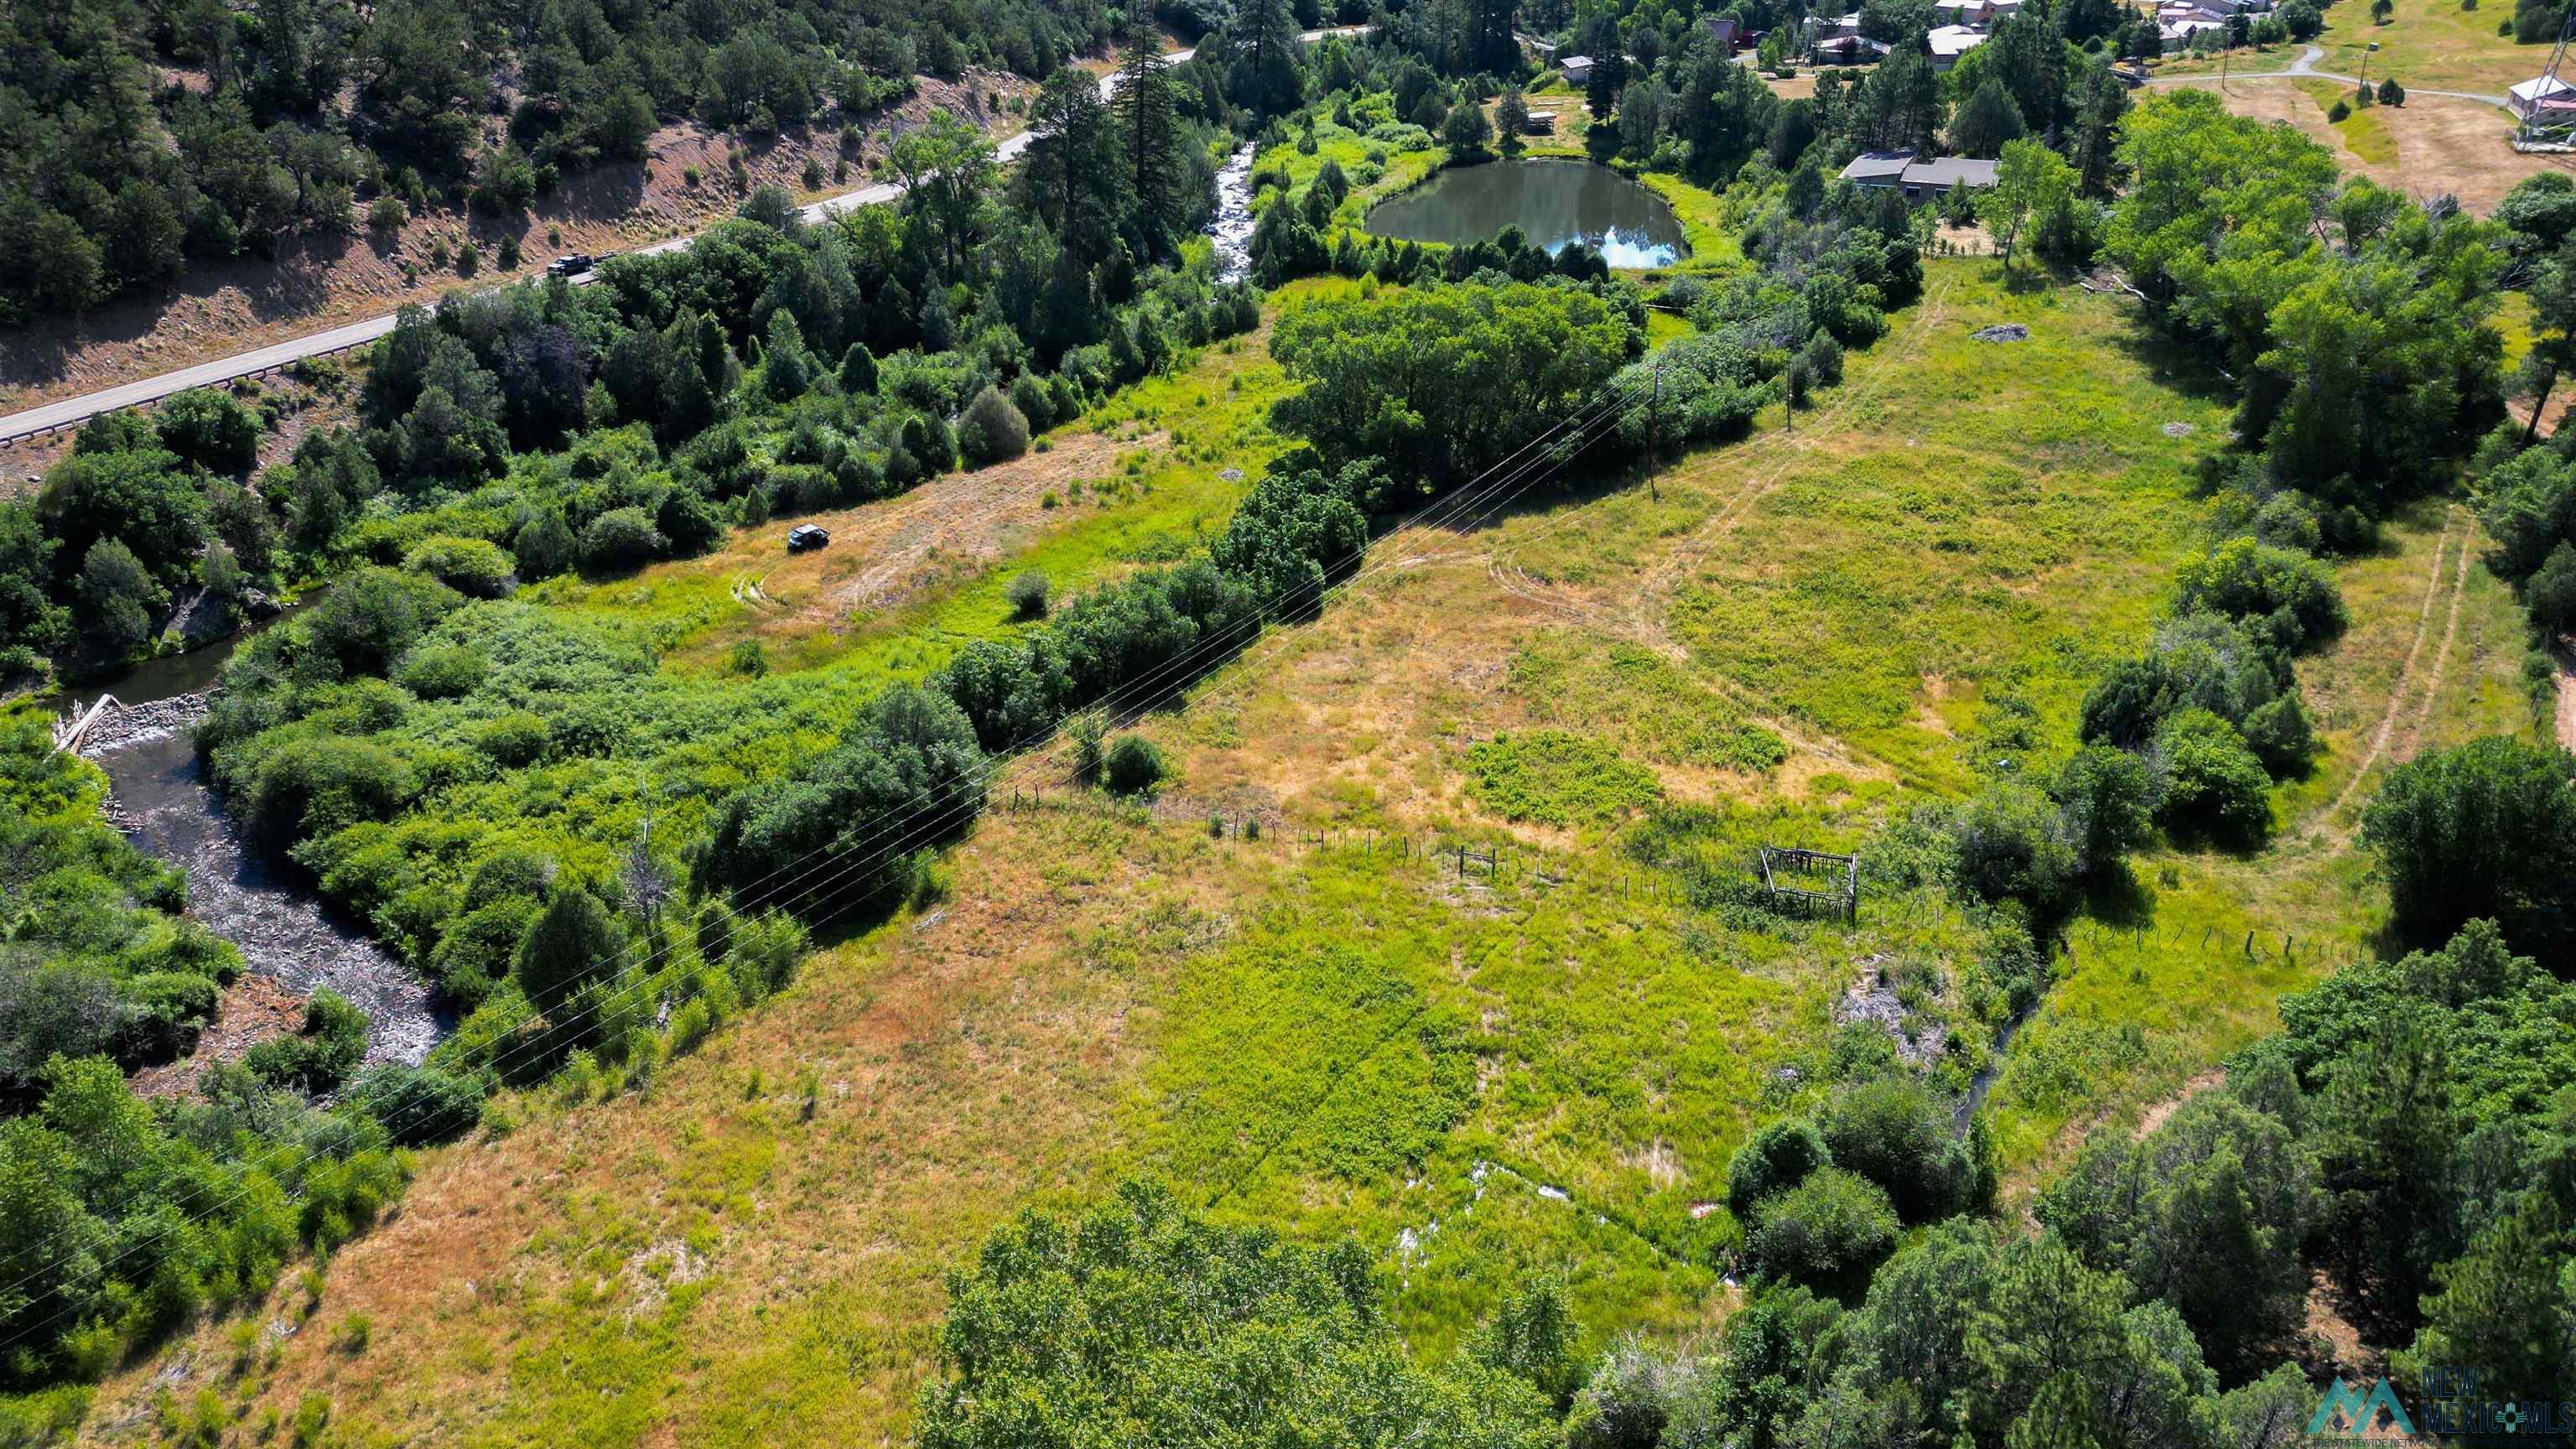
1800 639
2434 44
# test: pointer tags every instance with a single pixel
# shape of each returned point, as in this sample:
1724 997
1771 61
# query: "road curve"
2306 65
74 410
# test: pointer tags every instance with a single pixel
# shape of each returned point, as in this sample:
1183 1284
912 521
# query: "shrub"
515 739
419 1106
544 546
370 618
2009 843
387 213
2280 736
1028 596
2107 799
2289 520
1121 1326
2243 579
2339 112
621 538
1825 359
1776 1158
573 944
1896 1132
441 671
2213 783
991 429
333 1040
164 1012
750 660
474 567
211 430
474 952
2550 593
1132 766
1087 753
1834 1227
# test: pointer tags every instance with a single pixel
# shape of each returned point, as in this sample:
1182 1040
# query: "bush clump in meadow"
1028 595
991 429
1833 1227
1132 766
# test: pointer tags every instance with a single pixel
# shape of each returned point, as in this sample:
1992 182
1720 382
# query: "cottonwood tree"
948 173
2032 184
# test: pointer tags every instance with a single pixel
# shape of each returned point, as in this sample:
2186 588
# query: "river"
1232 226
262 903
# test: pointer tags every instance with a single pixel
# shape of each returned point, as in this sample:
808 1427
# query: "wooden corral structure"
1813 879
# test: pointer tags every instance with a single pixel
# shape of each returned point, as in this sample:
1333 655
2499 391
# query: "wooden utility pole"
1655 433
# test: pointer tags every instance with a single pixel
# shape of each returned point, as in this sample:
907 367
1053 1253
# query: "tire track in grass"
1646 622
2404 684
2441 657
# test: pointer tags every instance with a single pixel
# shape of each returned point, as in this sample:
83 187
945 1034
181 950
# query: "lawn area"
2365 133
1336 1025
2432 44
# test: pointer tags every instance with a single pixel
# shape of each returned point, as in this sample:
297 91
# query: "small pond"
1554 202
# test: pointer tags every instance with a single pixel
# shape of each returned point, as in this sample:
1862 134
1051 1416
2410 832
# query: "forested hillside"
135 138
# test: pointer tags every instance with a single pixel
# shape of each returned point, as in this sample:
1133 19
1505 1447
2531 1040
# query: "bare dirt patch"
2444 144
318 282
2162 1112
252 1010
2565 658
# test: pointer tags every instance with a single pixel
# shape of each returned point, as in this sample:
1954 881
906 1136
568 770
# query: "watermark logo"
2347 1413
2453 1408
2457 1407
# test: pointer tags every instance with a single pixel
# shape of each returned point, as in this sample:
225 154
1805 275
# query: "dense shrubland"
541 429
99 961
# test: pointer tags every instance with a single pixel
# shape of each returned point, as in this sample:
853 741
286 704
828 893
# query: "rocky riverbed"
159 797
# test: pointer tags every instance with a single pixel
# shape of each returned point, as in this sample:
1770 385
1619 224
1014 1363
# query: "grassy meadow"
1798 639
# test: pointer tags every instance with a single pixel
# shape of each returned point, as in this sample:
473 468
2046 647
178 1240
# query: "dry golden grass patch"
716 1262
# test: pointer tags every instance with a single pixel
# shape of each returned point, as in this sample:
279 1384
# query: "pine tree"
1149 131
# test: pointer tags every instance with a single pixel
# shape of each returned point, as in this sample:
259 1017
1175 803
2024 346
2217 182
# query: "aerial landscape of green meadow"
1056 785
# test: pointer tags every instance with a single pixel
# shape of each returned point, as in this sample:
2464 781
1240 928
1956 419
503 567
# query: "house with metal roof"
1920 179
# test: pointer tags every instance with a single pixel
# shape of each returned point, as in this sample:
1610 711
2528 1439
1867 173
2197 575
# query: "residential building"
1919 179
1949 42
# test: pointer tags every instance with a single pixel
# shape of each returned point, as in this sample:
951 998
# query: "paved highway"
72 411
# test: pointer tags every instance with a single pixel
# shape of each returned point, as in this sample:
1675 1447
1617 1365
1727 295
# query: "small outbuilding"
2538 94
1577 69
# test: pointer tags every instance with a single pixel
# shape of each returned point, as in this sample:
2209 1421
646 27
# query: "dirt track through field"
2560 654
2404 686
1645 618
